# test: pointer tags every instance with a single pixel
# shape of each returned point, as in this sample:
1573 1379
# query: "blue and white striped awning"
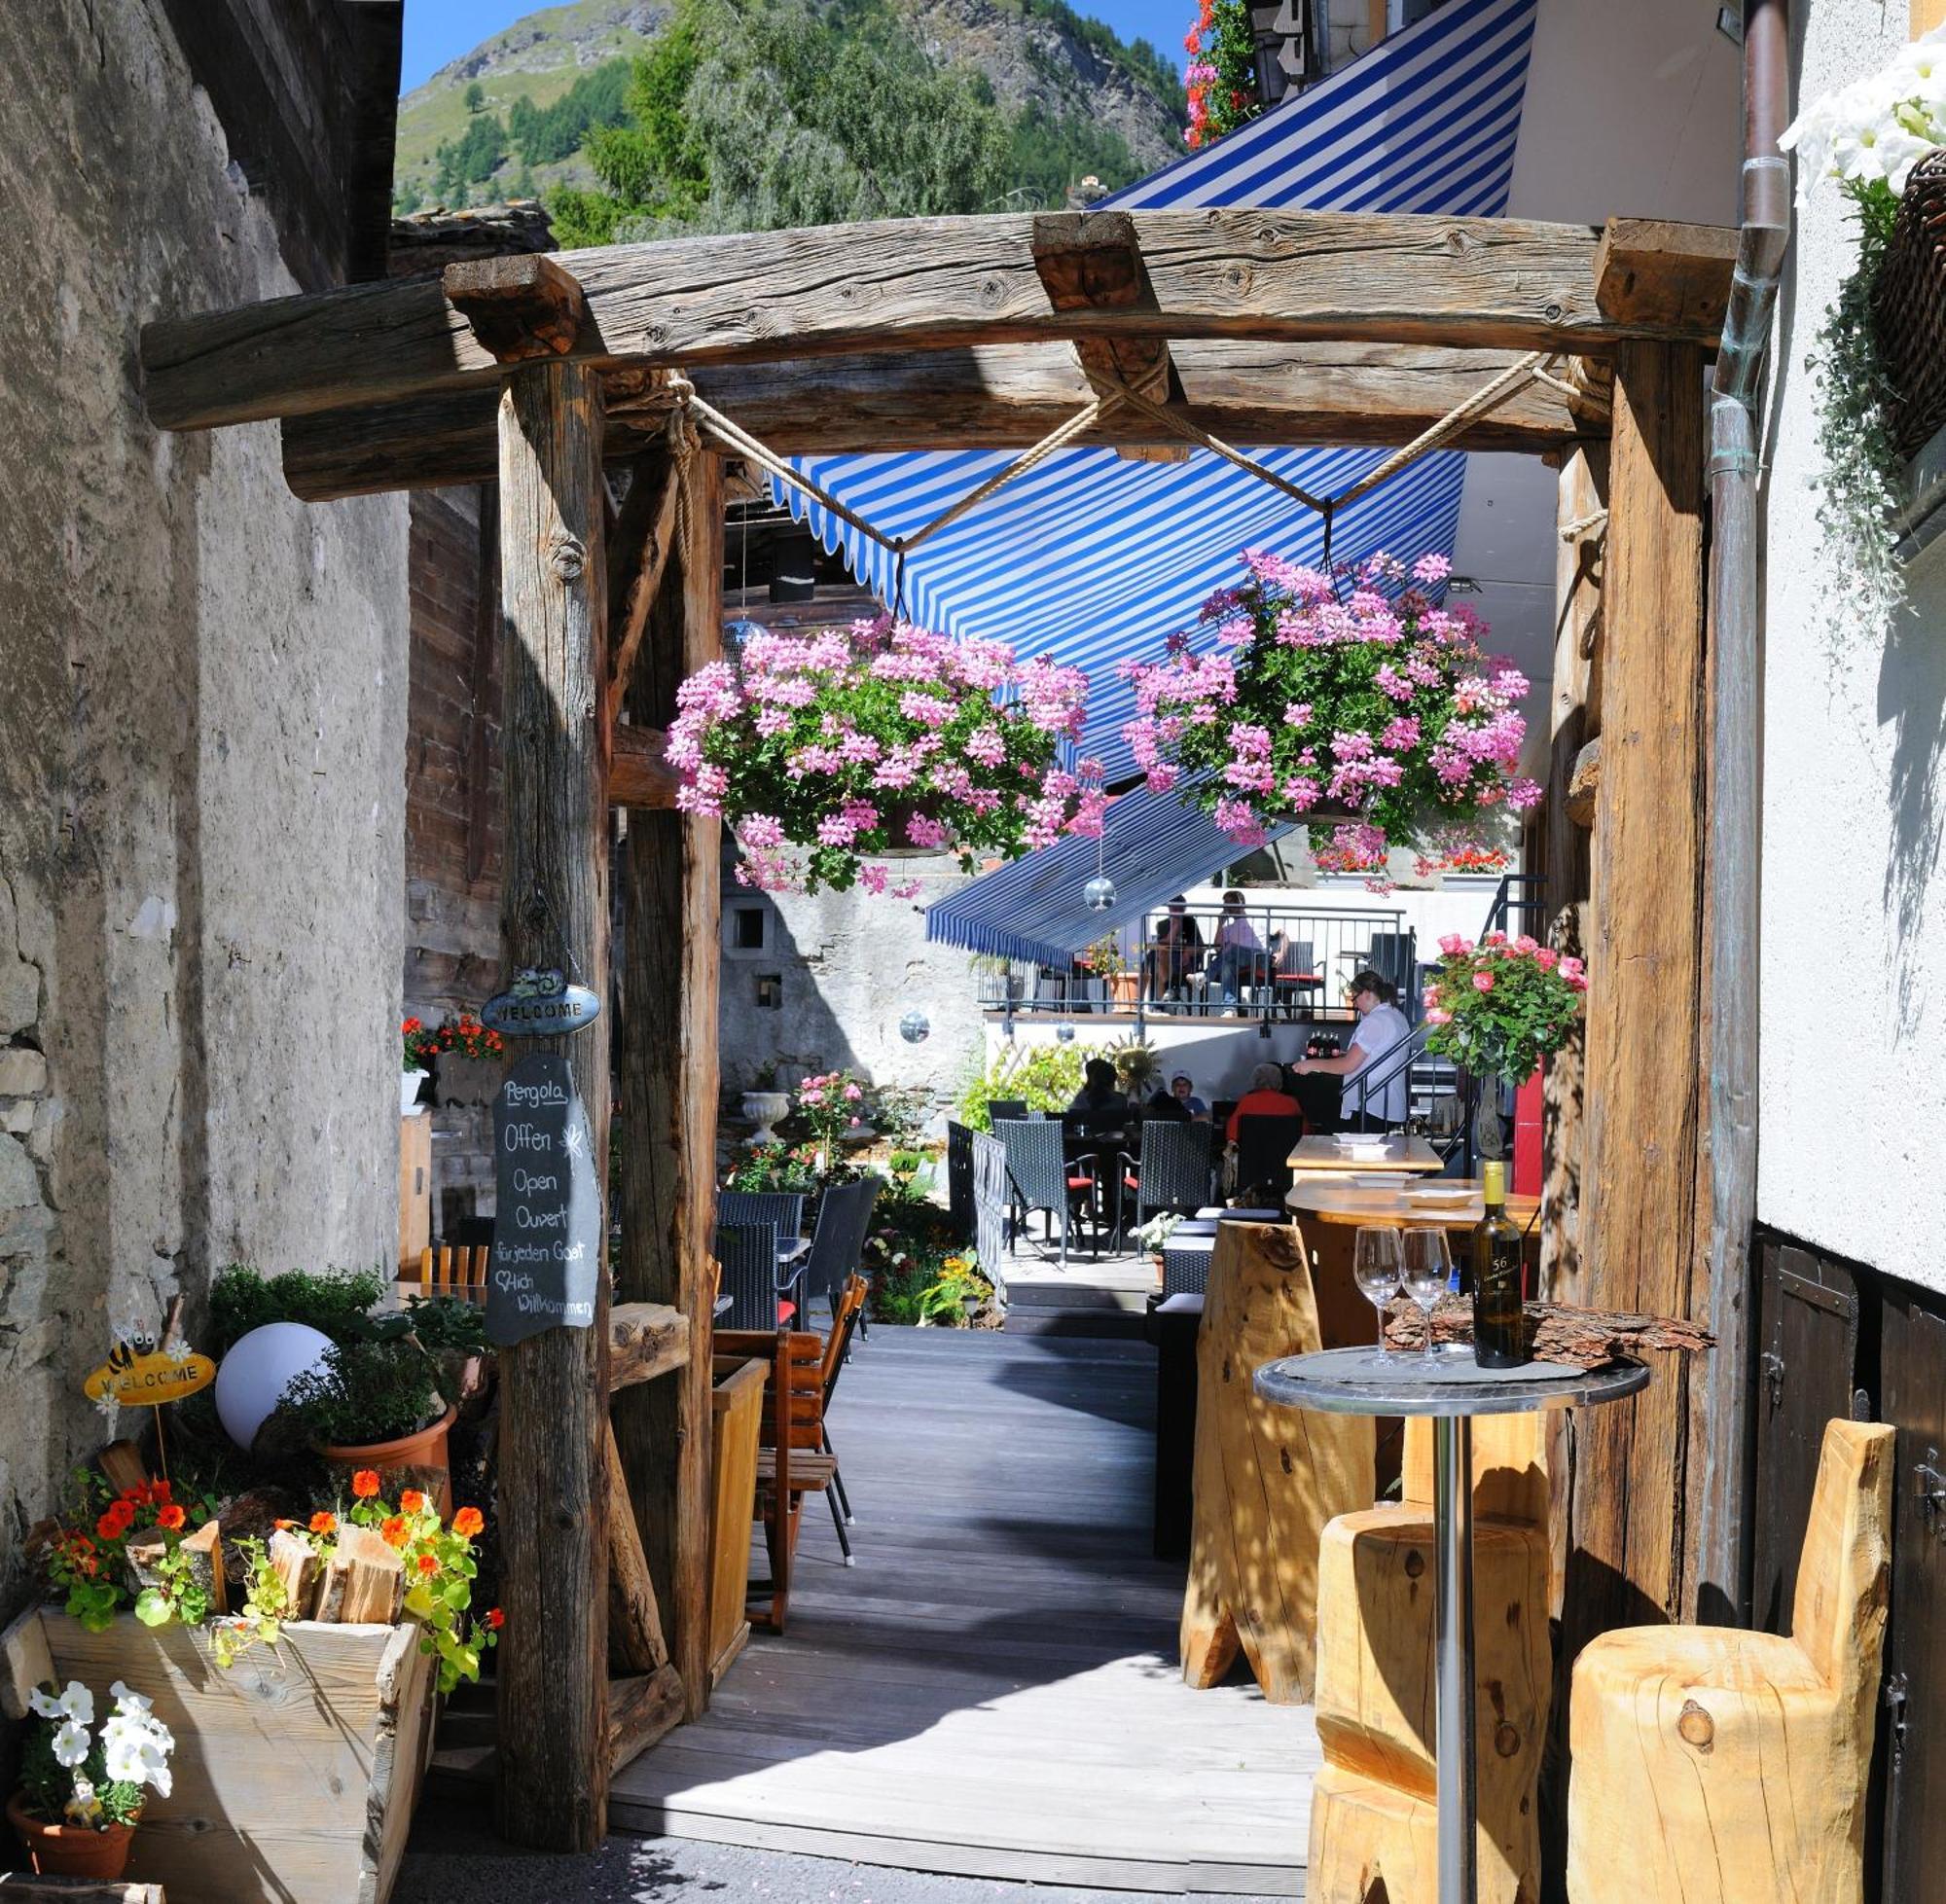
1096 559
1153 848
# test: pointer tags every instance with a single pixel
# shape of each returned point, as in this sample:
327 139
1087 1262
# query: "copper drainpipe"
1722 1570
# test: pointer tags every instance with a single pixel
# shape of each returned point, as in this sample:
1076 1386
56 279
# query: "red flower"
394 1529
159 1491
323 1522
468 1522
412 1500
283 1526
428 1562
109 1527
495 1619
170 1517
365 1483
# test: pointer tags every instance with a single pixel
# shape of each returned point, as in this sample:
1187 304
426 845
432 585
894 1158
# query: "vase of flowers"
1497 1009
420 1045
80 1791
1379 711
825 750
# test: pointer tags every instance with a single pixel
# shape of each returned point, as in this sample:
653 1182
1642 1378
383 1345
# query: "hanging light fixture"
1064 1033
914 1028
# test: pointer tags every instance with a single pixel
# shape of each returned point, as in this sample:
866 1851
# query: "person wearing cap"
1176 955
1382 1025
1182 1087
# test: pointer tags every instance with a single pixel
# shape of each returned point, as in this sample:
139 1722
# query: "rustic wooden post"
668 1085
1643 1236
554 911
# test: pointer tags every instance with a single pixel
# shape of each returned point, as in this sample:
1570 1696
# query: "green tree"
475 97
473 157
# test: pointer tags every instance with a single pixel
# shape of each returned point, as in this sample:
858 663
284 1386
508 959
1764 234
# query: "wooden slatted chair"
790 1458
449 1271
847 1314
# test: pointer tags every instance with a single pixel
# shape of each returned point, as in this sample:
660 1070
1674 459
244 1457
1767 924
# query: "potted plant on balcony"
1104 960
1380 712
827 751
82 1787
1497 1009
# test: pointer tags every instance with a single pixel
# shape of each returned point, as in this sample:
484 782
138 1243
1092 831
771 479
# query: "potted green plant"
80 1791
418 1045
374 1405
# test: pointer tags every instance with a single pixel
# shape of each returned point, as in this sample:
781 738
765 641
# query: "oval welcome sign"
148 1381
540 1004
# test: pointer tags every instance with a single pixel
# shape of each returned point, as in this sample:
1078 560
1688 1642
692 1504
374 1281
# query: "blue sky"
440 30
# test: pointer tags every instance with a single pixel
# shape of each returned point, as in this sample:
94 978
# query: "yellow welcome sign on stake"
137 1374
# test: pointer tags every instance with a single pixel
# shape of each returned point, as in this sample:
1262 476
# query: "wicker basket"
1909 307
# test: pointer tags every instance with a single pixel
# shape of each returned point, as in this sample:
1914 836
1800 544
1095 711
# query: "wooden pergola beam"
523 307
980 397
1093 260
921 284
638 775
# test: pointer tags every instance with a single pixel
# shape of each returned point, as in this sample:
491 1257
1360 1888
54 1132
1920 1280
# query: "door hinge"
1929 1487
1895 1705
1772 1365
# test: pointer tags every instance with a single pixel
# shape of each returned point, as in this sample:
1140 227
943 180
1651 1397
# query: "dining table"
1399 1154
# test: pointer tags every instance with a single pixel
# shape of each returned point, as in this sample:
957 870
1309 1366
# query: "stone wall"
201 728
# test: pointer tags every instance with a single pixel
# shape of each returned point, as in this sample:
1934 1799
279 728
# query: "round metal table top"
1360 1381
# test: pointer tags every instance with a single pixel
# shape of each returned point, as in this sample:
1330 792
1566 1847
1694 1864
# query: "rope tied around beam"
1111 394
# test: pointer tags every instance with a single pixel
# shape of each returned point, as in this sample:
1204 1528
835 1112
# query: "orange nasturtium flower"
170 1517
468 1522
323 1522
393 1528
412 1500
495 1619
284 1526
365 1483
428 1562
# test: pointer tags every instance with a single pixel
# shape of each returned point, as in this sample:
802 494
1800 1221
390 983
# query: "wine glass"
1375 1266
1428 1270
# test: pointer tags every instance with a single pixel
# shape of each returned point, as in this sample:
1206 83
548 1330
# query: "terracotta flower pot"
1124 986
414 1461
68 1850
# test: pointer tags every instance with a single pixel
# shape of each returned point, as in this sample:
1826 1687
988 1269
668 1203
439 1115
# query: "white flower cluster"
1875 129
135 1744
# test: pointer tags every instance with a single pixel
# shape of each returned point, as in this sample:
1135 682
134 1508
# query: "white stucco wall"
1852 1104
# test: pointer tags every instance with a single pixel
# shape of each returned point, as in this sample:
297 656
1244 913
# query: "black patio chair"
748 1255
1042 1176
783 1207
1009 1111
1264 1145
1172 1171
1185 1264
838 1243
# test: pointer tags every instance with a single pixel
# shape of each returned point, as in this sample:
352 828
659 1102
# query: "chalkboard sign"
547 1223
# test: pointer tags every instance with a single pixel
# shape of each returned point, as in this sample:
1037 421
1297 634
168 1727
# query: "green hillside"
632 116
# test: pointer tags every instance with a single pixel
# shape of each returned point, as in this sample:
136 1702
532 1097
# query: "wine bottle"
1499 1332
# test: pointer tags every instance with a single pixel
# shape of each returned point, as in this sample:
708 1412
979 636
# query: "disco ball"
1065 1033
1098 894
914 1028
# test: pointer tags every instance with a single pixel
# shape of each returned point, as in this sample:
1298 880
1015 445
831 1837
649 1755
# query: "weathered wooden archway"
1263 327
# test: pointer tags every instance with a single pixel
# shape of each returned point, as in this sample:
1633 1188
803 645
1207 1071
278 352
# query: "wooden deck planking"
992 1690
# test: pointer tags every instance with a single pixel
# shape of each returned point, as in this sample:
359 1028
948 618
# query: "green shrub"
337 1303
366 1392
1046 1076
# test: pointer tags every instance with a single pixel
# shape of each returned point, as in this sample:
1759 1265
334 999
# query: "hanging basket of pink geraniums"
828 752
1378 711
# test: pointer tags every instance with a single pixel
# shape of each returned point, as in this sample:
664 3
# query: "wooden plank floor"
993 1688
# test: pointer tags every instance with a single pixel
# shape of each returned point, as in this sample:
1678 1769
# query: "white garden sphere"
915 1027
255 1376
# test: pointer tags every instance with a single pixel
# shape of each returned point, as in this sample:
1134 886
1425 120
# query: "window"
771 991
746 928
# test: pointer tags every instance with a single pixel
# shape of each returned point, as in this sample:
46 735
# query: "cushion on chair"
785 1310
1081 1183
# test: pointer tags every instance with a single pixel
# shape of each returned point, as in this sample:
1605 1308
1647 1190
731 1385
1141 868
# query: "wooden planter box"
296 1771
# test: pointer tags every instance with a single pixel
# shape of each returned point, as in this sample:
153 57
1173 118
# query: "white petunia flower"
71 1743
78 1703
47 1706
131 1702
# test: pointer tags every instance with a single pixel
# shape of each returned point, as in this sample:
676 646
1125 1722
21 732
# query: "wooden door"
1911 1746
1808 1326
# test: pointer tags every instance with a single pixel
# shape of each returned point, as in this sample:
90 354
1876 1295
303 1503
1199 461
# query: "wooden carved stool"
1267 1478
1373 1807
1721 1767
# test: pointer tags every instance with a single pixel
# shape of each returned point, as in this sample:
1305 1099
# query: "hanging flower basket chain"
1380 710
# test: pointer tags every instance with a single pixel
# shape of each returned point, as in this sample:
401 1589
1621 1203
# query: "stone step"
1095 1324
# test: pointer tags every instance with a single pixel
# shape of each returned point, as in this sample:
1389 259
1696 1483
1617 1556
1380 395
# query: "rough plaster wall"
1853 1109
201 731
853 966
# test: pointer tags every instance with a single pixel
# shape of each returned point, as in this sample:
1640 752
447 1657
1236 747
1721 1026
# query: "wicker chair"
748 1255
783 1207
1264 1145
1042 1177
1185 1264
838 1243
1173 1172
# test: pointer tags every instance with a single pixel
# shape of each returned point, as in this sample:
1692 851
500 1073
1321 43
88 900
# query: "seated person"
1266 1098
1380 1027
1240 952
1165 1107
1182 1087
1176 956
1100 1105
